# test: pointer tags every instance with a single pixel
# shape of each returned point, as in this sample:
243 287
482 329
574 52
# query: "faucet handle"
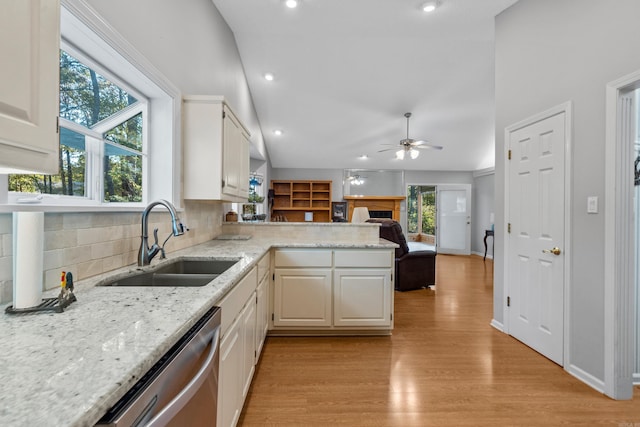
183 227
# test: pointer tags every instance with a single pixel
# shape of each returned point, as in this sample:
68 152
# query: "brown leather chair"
414 269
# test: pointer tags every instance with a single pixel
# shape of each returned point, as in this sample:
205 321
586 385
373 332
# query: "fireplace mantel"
376 203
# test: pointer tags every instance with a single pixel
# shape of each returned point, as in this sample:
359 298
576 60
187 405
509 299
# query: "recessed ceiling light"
430 6
277 132
269 76
291 3
363 156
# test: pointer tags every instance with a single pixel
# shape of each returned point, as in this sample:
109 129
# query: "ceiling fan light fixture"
430 6
400 154
414 153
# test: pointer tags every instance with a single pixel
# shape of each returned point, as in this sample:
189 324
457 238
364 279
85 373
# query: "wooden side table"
488 233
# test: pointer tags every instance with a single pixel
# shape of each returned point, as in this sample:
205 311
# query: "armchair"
414 269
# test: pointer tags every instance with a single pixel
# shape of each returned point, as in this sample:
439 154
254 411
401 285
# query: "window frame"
83 30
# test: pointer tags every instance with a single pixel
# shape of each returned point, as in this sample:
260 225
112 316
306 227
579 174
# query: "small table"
488 233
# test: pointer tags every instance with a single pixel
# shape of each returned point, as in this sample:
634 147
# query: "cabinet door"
244 172
231 155
362 297
262 314
302 297
230 376
248 320
29 85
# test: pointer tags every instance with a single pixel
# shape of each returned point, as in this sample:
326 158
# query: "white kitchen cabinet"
302 297
262 304
237 348
362 297
230 376
333 291
248 320
215 150
29 86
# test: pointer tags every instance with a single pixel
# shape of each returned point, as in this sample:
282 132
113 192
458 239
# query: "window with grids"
102 139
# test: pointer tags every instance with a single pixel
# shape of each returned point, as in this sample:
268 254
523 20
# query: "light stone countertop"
68 369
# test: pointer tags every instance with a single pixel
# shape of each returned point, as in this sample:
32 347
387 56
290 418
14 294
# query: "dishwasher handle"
177 403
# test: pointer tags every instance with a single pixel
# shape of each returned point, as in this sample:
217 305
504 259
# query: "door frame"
618 246
565 108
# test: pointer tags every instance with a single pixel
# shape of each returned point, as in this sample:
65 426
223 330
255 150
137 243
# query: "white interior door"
536 204
454 219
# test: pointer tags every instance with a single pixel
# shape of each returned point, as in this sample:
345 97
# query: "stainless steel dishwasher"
181 389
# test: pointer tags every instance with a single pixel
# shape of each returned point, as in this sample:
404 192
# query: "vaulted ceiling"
346 71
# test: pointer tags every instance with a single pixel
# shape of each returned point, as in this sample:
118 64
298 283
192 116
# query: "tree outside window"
421 212
97 118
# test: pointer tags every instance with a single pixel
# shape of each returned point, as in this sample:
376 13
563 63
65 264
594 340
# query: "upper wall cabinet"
29 84
216 151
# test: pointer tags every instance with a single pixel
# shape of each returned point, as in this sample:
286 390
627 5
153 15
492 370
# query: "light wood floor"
444 365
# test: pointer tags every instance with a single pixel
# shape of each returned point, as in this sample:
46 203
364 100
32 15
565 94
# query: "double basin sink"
179 273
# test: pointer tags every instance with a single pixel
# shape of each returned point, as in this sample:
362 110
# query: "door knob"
556 251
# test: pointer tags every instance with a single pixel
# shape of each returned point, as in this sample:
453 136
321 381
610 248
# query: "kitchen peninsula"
67 369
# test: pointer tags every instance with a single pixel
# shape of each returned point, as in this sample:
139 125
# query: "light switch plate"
592 204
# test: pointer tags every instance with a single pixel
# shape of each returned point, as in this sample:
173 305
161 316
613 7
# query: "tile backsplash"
89 243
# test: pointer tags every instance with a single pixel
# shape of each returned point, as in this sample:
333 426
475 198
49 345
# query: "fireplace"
381 214
388 206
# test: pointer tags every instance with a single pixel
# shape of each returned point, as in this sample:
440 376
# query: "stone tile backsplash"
88 244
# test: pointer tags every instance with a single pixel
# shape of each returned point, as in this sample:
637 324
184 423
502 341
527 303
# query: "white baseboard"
481 254
586 378
499 326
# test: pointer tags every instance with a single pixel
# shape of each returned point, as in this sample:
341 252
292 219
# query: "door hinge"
273 317
391 317
508 301
224 114
509 227
509 155
58 124
273 277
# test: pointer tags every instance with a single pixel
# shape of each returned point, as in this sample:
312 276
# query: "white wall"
192 45
549 52
483 205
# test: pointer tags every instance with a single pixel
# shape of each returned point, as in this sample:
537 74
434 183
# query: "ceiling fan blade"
419 142
429 147
390 149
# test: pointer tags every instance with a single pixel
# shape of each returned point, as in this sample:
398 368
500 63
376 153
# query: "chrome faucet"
146 253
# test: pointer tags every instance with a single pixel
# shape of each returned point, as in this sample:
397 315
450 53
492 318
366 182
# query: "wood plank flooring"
444 365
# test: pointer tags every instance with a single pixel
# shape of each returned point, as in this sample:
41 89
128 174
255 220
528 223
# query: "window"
101 139
421 210
119 125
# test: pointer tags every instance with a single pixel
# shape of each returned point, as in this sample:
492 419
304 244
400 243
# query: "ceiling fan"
356 179
411 146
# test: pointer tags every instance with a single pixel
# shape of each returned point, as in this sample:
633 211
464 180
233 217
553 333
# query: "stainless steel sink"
196 266
181 273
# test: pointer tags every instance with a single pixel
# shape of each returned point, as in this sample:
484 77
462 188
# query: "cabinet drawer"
263 266
302 258
233 302
363 258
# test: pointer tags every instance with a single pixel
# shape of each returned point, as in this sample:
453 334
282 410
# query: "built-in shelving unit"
292 199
